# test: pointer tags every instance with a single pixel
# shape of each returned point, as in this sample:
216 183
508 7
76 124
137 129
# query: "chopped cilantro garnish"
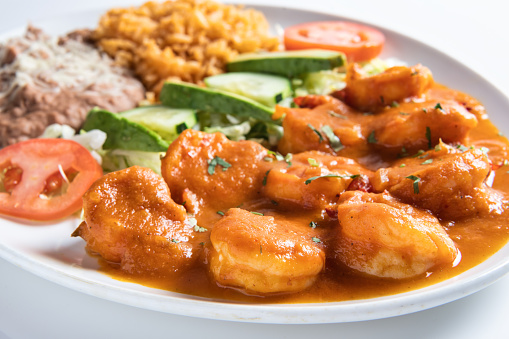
220 212
425 110
222 162
313 224
257 213
438 106
394 104
427 162
268 159
192 220
320 137
312 162
419 153
331 175
264 181
334 141
217 161
337 115
277 155
402 165
288 159
462 148
428 136
438 148
199 229
315 239
372 138
175 241
403 153
416 182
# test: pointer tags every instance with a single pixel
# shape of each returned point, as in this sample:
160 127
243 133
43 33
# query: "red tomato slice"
358 42
30 171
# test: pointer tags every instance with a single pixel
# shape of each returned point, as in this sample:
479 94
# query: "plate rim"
309 313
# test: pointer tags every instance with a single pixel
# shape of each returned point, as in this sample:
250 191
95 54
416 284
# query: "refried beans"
46 80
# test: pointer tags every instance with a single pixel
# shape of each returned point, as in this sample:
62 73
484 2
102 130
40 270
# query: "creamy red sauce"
477 235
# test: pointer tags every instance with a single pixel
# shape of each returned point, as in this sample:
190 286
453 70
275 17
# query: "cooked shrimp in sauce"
448 181
371 93
131 220
383 187
298 185
382 237
262 254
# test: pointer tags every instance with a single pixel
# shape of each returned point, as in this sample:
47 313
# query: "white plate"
49 251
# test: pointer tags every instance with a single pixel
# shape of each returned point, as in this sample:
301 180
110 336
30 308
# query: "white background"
473 32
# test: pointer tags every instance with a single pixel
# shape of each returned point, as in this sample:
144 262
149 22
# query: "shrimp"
263 255
212 170
439 93
372 93
313 181
414 126
304 128
448 181
131 220
382 237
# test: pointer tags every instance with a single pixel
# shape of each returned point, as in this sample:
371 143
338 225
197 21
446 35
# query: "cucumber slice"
124 134
266 89
165 121
287 63
186 95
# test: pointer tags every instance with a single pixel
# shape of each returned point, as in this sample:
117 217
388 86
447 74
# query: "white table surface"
473 32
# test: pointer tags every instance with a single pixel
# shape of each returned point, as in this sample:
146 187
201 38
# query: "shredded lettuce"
233 132
92 140
378 65
326 82
110 160
235 128
322 83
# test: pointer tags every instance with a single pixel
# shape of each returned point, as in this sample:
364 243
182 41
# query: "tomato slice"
358 42
45 179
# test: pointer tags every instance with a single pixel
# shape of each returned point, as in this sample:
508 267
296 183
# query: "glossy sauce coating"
132 221
385 213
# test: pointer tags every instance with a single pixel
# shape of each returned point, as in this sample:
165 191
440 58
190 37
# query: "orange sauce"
477 239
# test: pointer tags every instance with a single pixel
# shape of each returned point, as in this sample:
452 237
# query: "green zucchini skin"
124 134
186 95
288 63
